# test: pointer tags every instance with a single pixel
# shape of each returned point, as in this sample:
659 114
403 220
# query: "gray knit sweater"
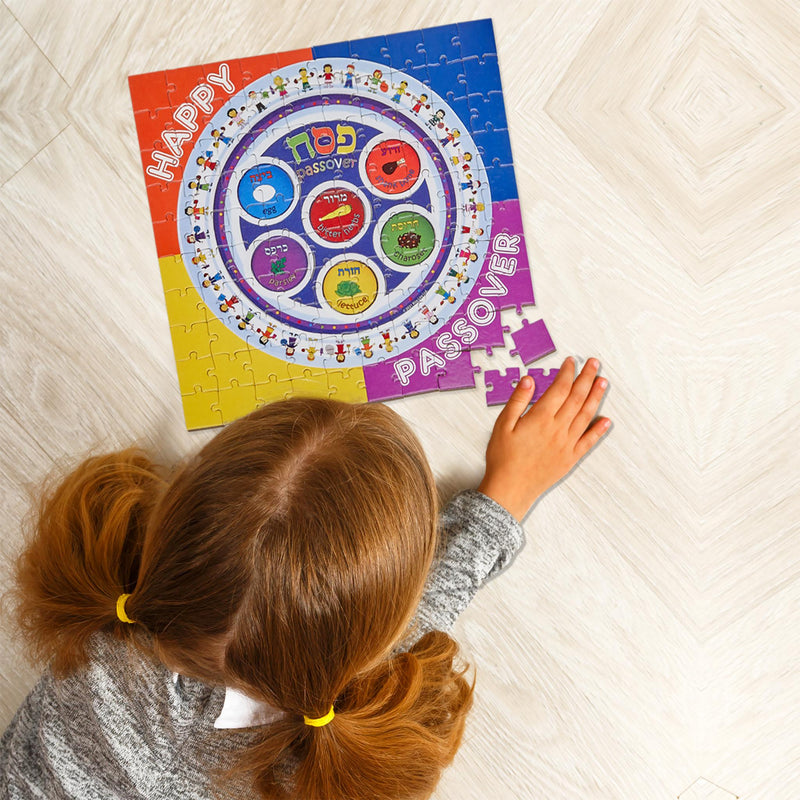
122 727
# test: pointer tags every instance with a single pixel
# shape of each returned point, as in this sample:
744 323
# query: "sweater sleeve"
478 540
120 727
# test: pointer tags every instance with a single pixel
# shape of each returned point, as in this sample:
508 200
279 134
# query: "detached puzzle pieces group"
339 221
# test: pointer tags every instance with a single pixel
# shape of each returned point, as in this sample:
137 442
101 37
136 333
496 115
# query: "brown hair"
286 559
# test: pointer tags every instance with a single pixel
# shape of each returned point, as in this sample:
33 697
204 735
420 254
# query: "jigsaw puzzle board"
339 221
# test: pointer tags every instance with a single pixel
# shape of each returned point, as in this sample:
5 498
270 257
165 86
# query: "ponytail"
83 554
395 729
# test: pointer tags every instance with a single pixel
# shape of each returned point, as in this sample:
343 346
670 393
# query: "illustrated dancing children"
280 86
420 101
374 81
399 91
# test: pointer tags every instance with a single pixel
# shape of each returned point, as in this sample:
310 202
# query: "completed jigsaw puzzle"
339 221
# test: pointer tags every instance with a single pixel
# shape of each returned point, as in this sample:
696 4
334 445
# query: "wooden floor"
645 643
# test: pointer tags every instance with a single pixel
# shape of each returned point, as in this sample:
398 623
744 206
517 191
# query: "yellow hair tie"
320 721
123 617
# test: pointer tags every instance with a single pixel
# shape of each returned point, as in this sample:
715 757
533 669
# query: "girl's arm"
529 450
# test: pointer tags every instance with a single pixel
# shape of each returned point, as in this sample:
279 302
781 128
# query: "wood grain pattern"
644 644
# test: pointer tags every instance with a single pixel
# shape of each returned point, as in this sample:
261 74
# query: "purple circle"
279 263
219 217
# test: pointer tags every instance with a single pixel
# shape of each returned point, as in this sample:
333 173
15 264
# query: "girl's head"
298 539
286 559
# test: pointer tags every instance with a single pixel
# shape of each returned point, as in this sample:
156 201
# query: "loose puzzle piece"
532 341
500 385
339 220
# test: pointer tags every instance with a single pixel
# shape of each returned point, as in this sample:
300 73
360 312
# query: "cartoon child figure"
449 296
451 137
205 161
245 321
290 344
195 211
196 236
411 330
200 258
420 101
254 100
366 347
399 91
459 276
349 75
310 353
304 79
212 280
387 341
340 354
227 303
429 315
327 74
374 81
237 116
267 334
436 119
280 86
218 137
196 184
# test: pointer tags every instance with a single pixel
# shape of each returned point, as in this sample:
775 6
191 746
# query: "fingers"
571 401
557 393
589 408
579 391
592 436
517 404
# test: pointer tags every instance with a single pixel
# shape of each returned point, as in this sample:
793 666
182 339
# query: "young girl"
271 621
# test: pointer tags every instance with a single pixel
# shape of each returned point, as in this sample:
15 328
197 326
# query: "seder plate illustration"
332 213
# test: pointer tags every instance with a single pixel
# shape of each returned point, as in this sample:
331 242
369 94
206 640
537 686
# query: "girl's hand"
529 452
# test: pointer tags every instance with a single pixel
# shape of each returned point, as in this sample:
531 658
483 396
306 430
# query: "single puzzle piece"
458 374
444 41
349 380
532 341
369 48
403 43
473 38
235 400
309 382
197 372
201 409
500 385
481 80
246 74
236 365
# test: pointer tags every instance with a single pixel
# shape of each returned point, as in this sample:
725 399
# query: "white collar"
241 711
